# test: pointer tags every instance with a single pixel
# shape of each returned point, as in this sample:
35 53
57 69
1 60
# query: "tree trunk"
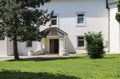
15 48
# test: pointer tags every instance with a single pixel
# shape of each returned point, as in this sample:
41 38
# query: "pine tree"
20 20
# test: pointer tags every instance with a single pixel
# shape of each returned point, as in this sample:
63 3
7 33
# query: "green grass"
69 68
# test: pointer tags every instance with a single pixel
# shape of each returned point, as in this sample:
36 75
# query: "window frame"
84 19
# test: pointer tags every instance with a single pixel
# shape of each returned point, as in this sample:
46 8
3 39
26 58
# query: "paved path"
6 58
42 57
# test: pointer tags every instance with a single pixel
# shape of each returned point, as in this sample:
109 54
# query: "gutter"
113 3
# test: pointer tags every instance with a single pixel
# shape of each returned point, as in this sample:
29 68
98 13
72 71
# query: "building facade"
71 20
114 28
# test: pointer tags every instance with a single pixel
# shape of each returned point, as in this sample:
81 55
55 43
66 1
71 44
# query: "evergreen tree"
20 20
118 13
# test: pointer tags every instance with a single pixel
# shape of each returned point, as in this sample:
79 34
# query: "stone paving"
54 56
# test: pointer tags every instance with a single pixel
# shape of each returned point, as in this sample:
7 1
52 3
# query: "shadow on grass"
108 57
111 56
6 74
49 58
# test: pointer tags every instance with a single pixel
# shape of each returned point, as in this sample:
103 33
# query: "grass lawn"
69 68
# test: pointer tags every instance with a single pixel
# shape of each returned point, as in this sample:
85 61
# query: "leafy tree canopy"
20 20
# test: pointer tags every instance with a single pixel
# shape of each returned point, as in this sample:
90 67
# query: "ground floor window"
29 44
2 38
80 41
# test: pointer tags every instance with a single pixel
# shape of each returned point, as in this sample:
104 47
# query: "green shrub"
94 45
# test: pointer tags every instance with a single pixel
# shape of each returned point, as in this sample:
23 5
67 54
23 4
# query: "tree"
20 20
118 13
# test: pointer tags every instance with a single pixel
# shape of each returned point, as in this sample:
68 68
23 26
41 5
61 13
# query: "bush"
94 45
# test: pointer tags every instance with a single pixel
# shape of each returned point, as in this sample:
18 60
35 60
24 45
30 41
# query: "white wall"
3 47
6 47
96 18
114 31
23 50
9 47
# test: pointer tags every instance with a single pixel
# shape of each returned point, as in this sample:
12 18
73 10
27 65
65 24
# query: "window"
54 20
29 44
2 38
81 42
81 18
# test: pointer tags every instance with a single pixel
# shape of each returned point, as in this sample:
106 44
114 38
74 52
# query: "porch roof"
46 31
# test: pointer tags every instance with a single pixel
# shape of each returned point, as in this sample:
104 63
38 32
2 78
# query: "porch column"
63 46
43 43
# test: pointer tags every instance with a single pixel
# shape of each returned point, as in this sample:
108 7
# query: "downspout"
107 6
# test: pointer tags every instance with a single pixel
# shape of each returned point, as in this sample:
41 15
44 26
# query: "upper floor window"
54 20
80 18
81 41
29 44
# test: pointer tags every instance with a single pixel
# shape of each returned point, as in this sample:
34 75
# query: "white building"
114 29
72 18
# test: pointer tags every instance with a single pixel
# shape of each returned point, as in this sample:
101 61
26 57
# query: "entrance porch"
55 42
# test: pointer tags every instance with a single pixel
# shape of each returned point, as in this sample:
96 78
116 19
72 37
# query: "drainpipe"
107 6
108 30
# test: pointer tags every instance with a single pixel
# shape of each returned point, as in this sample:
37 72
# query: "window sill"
54 26
81 25
80 48
28 47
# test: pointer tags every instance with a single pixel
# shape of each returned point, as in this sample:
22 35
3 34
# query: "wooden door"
54 45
